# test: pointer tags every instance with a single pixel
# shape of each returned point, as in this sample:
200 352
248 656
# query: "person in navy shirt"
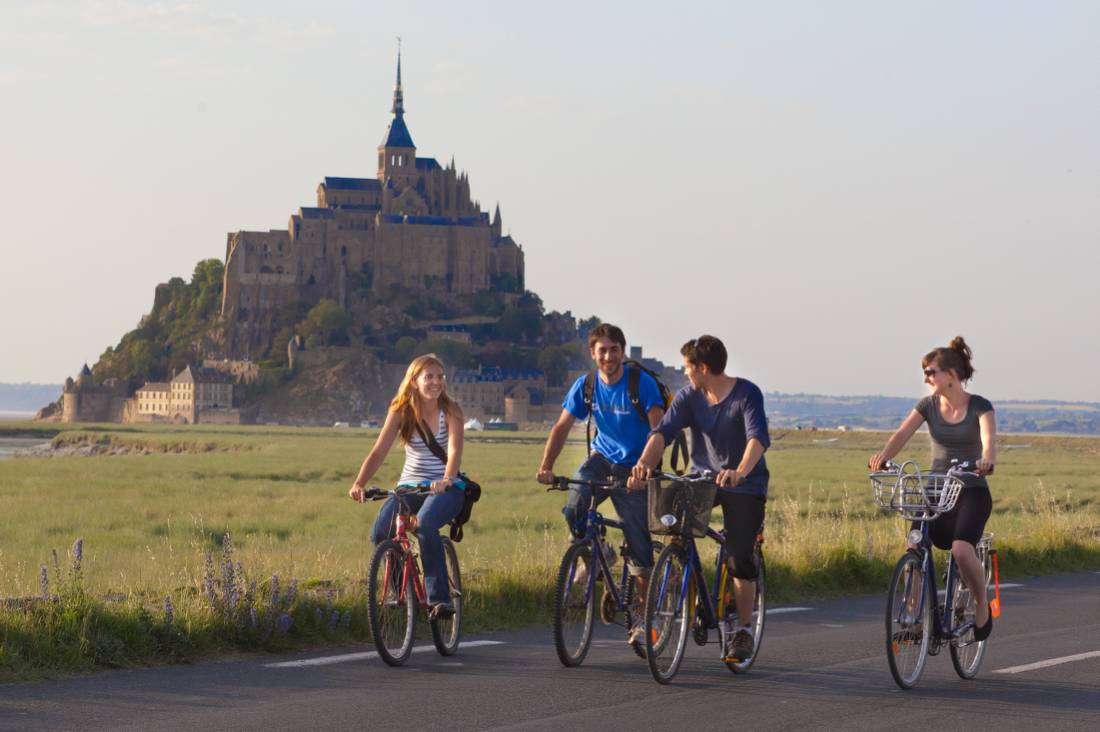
621 436
729 434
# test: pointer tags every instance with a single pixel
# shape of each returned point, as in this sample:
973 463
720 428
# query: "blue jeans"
630 505
433 512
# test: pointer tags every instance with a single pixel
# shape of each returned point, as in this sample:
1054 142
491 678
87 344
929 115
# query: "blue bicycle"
677 601
585 562
917 625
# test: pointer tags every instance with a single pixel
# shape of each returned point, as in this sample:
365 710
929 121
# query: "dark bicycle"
585 562
677 600
917 625
395 590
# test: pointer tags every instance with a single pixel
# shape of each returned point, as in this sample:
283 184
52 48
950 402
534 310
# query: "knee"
743 566
962 550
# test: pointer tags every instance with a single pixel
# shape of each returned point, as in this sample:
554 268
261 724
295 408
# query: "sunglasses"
931 372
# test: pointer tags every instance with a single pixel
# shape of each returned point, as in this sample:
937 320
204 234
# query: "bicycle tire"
391 611
907 636
445 633
758 615
574 605
669 613
966 653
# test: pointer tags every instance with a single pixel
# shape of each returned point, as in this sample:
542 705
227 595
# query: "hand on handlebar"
729 478
357 493
439 486
639 476
545 476
984 467
877 462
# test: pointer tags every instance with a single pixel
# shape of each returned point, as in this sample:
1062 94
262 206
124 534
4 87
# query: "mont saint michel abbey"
414 224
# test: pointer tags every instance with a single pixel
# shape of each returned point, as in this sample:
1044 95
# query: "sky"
831 188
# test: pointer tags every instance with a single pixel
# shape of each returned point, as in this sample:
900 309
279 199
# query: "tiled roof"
154 386
427 164
354 184
398 134
316 213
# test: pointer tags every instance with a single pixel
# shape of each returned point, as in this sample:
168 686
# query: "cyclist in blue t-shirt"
621 436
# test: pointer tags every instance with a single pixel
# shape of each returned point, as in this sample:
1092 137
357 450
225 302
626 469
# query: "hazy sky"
832 188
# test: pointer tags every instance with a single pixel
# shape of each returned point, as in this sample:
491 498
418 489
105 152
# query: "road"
820 668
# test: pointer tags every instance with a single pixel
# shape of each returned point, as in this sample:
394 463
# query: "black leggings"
742 517
966 521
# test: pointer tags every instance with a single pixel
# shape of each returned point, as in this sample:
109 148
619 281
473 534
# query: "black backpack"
471 494
633 379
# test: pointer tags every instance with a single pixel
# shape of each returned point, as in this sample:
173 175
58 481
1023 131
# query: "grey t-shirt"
960 441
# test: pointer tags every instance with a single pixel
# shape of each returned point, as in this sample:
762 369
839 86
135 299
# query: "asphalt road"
819 668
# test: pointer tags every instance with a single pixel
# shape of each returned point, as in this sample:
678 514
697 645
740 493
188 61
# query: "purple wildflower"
56 564
331 597
285 621
253 617
291 594
334 620
169 611
318 615
274 590
44 582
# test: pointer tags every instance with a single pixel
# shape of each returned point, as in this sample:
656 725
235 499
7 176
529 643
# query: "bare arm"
554 444
987 424
456 437
897 440
376 456
654 414
651 455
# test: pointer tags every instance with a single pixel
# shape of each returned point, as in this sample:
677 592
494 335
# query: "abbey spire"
397 153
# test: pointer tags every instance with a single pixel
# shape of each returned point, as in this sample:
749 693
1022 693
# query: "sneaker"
441 611
580 575
609 554
739 647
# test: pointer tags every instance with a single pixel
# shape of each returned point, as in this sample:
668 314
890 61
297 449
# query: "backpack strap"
432 443
633 383
587 393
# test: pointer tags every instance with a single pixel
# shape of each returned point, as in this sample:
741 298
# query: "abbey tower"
413 225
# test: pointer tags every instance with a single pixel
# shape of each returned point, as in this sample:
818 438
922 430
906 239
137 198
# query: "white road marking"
991 589
778 610
365 655
832 625
1048 662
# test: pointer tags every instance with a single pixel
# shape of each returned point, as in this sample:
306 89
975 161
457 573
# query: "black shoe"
980 634
441 611
740 647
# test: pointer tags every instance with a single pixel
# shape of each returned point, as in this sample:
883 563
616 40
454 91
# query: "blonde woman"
421 401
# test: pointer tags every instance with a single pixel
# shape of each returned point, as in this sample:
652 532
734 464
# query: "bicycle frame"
942 623
708 605
409 564
595 529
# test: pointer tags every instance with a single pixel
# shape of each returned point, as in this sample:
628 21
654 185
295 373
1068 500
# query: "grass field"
148 520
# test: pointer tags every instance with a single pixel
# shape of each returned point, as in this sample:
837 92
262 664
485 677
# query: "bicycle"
673 602
395 590
917 625
575 602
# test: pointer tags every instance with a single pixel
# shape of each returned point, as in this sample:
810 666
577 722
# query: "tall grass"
152 503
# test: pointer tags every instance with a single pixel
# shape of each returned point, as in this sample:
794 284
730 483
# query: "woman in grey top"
963 427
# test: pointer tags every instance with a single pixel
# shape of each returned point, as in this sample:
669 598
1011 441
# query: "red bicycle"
395 590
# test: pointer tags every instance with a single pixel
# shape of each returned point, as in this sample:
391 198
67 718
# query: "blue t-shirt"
622 432
720 432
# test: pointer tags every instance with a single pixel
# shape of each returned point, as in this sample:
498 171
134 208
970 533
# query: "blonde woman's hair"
407 404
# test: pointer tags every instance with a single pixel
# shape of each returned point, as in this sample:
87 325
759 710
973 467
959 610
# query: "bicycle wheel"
908 621
445 633
575 604
391 608
669 611
967 653
757 621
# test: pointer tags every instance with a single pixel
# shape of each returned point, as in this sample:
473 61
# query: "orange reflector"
653 634
995 603
896 648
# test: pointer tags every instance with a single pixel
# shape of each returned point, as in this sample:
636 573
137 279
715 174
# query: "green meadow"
158 501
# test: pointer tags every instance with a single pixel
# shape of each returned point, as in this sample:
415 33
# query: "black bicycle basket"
680 508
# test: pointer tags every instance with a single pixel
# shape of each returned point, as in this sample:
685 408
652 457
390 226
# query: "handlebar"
957 468
374 493
562 483
703 476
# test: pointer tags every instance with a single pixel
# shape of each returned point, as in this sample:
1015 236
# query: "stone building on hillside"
482 393
414 225
82 400
193 395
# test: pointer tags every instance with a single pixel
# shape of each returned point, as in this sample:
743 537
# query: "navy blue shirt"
720 432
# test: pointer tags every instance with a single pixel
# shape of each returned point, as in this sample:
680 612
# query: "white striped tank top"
420 463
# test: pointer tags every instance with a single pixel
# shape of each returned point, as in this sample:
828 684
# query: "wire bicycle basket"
680 508
915 495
